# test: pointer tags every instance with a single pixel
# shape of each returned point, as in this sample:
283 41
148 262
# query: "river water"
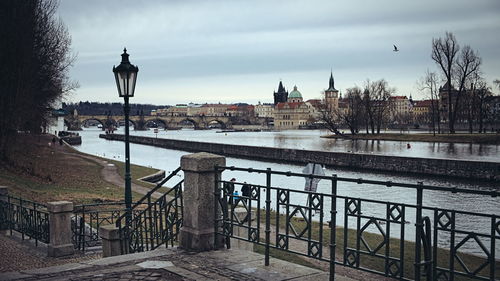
169 160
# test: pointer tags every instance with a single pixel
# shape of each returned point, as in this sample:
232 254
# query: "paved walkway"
176 264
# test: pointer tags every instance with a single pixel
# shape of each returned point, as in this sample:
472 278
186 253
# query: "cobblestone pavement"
176 264
16 254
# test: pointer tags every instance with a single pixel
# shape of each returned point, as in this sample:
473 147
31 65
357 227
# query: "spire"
332 83
281 88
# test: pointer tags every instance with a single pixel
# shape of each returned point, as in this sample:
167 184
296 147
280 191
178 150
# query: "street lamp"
126 76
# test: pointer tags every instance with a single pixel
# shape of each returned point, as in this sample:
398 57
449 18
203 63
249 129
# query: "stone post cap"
60 206
109 232
201 162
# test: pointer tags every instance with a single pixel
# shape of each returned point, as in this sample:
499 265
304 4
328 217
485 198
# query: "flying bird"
395 49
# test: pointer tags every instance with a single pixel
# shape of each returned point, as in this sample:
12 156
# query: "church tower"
281 95
332 94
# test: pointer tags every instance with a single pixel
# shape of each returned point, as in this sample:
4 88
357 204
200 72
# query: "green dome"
295 94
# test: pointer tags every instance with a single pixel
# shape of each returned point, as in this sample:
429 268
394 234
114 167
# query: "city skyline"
231 51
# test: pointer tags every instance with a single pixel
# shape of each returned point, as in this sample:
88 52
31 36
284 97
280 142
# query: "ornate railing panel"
401 240
157 223
29 218
88 218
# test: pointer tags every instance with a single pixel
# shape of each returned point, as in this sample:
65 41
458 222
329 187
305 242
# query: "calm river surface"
169 160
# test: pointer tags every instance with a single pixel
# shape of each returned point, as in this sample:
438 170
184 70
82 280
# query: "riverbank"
43 171
478 170
492 138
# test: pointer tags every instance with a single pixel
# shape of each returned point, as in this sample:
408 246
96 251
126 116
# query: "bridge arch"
86 120
121 122
220 123
196 125
157 121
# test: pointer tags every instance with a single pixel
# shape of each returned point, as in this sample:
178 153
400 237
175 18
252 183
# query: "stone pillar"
60 244
197 232
110 235
240 231
4 193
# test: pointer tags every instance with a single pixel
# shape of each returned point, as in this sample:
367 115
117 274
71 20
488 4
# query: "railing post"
268 215
198 230
60 244
333 227
418 227
241 231
110 235
4 208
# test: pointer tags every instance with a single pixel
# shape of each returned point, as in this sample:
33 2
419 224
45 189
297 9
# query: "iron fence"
405 241
155 225
29 218
88 218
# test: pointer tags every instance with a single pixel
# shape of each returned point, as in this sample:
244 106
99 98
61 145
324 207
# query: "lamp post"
126 76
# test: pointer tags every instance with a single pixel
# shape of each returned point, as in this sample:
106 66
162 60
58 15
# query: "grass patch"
286 256
40 172
426 137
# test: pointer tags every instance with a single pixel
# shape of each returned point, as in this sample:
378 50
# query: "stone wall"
429 166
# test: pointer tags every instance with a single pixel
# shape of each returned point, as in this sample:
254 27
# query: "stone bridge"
142 122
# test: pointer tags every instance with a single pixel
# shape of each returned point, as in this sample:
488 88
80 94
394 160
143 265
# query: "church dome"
295 94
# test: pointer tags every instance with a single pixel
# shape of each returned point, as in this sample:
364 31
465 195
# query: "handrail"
492 193
148 195
174 173
155 225
161 197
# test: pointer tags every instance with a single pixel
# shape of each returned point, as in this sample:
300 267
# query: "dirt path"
110 174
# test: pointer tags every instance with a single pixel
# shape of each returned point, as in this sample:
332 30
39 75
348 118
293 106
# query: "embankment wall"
429 166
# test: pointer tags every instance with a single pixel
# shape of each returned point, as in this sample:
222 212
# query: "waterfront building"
400 110
332 95
294 113
217 109
444 96
281 95
240 110
55 118
194 109
422 111
177 111
264 110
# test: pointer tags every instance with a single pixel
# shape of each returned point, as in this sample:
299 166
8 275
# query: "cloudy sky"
238 51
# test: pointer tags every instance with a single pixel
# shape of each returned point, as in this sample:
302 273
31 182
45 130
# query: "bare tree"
353 113
376 100
480 92
35 56
456 68
329 117
429 84
497 83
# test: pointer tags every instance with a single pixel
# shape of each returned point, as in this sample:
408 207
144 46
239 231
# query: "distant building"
332 95
444 96
400 107
422 111
295 112
281 95
264 110
215 109
55 119
176 111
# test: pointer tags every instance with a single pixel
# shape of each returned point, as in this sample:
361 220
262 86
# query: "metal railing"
394 239
155 225
29 218
88 218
